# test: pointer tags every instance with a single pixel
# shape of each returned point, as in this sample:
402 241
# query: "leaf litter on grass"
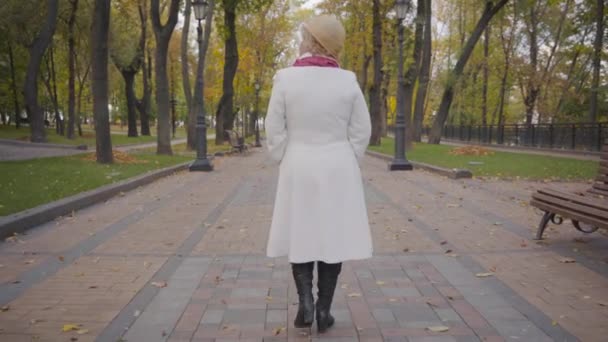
119 158
471 151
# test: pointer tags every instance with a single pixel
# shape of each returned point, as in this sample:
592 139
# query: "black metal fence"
578 136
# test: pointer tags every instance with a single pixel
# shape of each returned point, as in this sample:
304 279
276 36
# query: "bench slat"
602 178
590 201
600 186
604 163
597 192
579 208
569 214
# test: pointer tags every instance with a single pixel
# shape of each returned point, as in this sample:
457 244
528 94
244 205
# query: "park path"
182 259
23 151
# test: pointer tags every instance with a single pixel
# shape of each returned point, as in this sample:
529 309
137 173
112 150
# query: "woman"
318 127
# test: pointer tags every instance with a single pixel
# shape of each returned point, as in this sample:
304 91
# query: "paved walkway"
182 259
25 151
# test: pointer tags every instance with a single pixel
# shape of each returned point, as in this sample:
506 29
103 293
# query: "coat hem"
323 259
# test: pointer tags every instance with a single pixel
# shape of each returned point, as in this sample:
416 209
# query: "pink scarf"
320 61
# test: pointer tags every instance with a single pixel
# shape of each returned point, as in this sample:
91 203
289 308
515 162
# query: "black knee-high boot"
302 275
328 278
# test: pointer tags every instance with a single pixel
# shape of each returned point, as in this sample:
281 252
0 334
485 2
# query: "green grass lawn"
500 164
26 184
88 138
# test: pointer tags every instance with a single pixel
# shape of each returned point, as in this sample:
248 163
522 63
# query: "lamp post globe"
399 162
202 162
401 8
200 9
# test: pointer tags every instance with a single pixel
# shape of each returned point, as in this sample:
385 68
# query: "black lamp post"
399 162
202 163
256 116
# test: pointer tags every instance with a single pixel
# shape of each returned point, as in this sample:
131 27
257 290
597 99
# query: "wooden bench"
588 210
237 143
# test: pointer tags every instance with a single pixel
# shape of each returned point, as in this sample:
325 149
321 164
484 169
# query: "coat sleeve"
276 126
359 127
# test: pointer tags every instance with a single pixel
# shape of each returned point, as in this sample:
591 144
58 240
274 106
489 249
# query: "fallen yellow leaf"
484 275
159 284
354 294
82 331
438 329
70 327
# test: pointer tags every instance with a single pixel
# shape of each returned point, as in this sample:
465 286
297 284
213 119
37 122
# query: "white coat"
318 128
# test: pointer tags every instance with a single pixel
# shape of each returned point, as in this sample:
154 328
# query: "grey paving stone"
448 315
467 338
244 317
503 313
400 292
363 274
432 339
276 316
335 339
278 292
383 315
520 331
396 273
395 339
212 317
486 302
230 274
341 315
249 292
428 291
414 313
266 274
418 324
453 271
414 274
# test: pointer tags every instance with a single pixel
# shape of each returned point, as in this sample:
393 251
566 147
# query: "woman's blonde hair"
310 45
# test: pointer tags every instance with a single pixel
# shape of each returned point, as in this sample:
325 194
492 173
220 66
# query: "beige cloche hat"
328 31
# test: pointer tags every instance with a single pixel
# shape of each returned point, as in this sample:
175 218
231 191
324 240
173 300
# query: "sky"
311 3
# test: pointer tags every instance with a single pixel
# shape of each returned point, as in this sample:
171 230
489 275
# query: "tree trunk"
71 71
129 77
144 110
376 88
14 85
163 36
81 82
532 87
99 43
225 112
448 94
412 74
51 87
425 73
186 84
386 82
484 95
143 106
568 83
597 60
60 120
30 87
